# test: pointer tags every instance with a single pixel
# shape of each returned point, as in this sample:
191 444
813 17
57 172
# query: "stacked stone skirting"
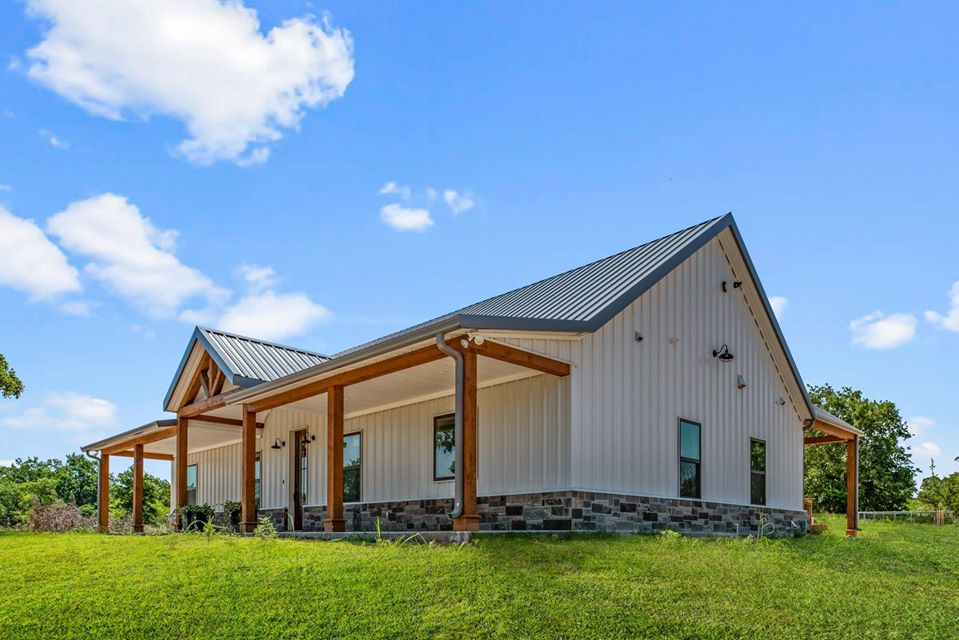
561 511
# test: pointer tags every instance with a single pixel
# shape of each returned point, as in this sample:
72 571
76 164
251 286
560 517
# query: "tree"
10 384
939 493
156 496
77 481
886 472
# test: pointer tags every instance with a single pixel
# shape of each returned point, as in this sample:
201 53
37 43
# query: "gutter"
458 422
374 350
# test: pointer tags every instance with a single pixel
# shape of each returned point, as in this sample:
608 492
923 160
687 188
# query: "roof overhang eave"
126 435
377 349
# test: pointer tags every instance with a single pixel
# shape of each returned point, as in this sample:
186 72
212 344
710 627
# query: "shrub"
265 529
58 516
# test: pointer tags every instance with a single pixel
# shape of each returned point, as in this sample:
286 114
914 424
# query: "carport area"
837 431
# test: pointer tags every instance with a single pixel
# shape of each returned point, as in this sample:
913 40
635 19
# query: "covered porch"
837 431
212 413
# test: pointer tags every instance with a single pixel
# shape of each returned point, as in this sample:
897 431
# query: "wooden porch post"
248 500
138 488
469 521
182 425
334 460
852 486
103 508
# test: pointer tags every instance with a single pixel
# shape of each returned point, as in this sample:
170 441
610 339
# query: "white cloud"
403 219
30 262
272 316
74 412
204 62
919 425
53 140
926 450
458 202
779 305
949 321
130 255
258 278
5 187
431 194
392 188
76 308
879 331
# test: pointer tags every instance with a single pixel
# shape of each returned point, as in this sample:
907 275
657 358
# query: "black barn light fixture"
723 354
278 444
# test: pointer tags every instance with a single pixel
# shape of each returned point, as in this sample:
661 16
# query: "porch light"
723 354
278 444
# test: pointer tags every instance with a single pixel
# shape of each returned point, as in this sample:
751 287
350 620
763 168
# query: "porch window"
351 467
444 447
191 484
757 471
690 459
257 480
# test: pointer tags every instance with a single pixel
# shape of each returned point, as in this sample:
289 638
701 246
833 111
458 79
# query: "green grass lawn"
894 581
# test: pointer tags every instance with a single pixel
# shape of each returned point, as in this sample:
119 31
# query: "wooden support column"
852 486
469 521
103 507
334 460
182 424
248 500
138 488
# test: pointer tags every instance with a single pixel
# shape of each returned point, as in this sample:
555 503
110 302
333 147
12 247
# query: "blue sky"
208 164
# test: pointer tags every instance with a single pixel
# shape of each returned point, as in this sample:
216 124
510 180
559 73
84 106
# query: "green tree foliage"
939 493
156 496
10 384
886 472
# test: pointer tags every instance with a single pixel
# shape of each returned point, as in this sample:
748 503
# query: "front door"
300 475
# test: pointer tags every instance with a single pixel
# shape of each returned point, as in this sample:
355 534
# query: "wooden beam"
415 358
334 461
227 421
248 500
153 436
822 440
829 429
169 457
138 488
520 357
182 430
103 506
209 404
469 521
196 381
852 487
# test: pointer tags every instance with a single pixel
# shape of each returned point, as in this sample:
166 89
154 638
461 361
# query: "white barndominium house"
651 389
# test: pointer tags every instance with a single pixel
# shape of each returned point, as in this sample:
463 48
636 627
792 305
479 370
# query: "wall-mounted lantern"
278 444
723 355
740 382
736 285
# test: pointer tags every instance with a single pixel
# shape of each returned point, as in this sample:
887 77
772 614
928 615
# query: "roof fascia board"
124 435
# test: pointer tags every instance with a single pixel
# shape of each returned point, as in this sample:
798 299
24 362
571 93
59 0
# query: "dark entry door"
300 476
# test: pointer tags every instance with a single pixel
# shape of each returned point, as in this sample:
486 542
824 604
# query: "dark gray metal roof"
582 299
245 361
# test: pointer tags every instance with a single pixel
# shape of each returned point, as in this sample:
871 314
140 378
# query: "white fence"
939 517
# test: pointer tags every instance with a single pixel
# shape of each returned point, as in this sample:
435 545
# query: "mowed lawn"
894 581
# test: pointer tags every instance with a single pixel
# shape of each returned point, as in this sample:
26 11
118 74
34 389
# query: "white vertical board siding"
523 433
628 396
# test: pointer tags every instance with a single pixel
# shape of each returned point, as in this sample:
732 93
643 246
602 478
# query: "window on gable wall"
757 471
351 467
690 459
444 447
191 484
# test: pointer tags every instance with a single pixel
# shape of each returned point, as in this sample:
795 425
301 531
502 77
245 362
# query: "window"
444 447
351 467
690 480
191 484
757 472
257 480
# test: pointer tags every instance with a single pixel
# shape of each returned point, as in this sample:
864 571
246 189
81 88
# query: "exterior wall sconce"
781 401
308 438
736 285
740 382
278 444
638 336
723 354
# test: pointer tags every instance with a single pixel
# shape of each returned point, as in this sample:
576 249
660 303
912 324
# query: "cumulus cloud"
69 411
30 262
405 219
391 187
919 425
53 140
926 450
130 255
779 304
204 62
458 202
6 188
258 278
879 331
950 320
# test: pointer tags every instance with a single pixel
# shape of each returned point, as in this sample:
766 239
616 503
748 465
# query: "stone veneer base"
561 511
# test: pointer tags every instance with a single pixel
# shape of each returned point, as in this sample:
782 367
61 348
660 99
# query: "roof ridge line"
263 342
